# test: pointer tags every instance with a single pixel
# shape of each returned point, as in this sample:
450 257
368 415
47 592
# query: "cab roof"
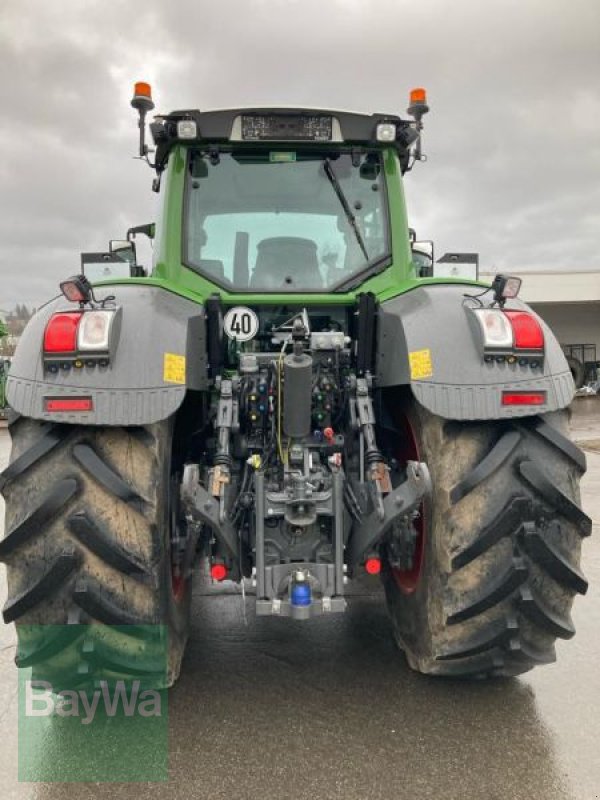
279 125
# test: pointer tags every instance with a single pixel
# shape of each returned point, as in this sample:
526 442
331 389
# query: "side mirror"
149 230
123 249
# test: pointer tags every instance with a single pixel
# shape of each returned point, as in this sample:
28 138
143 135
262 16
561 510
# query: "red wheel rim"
178 586
407 580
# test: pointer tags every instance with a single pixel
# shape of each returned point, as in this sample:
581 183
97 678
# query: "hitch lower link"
208 508
399 509
393 510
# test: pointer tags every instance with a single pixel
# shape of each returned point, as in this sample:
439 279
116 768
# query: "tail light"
94 330
509 330
60 335
527 330
73 332
68 404
496 329
523 398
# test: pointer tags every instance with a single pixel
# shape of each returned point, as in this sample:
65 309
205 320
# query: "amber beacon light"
418 97
142 102
416 108
142 92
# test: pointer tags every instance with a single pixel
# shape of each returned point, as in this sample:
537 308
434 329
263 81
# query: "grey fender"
139 386
449 376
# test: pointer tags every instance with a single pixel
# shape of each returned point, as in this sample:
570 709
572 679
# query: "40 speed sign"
240 323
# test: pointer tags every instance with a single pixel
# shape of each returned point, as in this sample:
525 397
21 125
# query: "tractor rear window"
285 221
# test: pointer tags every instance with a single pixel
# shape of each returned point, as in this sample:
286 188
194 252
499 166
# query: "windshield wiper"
345 205
355 280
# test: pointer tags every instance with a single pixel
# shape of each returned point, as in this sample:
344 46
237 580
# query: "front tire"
89 523
501 539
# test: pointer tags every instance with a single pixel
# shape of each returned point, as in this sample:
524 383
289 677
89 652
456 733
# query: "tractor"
284 401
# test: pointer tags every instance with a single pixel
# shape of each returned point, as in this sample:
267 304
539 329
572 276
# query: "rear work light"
60 335
77 289
385 132
187 129
505 287
58 404
523 398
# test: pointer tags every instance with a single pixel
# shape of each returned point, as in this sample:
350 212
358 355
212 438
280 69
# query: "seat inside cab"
286 261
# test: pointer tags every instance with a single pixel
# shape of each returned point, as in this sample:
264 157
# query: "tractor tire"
89 517
496 563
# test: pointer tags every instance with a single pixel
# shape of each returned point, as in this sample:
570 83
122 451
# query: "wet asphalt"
269 709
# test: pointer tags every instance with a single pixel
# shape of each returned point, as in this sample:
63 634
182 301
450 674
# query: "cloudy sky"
513 136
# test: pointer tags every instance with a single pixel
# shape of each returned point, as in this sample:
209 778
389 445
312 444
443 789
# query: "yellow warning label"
174 368
420 364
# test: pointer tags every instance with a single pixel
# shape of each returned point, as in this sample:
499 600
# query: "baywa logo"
86 718
42 701
111 730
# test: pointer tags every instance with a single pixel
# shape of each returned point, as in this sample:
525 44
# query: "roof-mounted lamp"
417 107
142 102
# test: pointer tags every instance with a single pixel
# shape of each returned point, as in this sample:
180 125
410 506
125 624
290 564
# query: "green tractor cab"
288 398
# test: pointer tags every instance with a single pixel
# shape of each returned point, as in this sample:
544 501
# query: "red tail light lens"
527 331
60 335
68 404
523 398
